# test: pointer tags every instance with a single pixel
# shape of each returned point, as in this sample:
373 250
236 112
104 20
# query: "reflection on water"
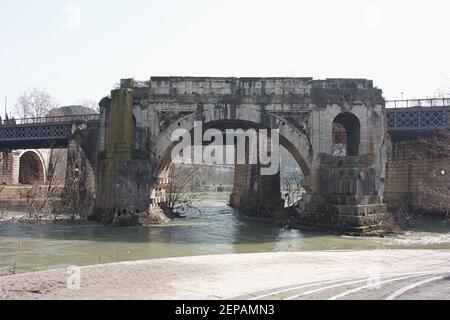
214 229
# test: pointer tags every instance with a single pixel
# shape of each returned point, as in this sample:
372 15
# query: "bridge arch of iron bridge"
43 132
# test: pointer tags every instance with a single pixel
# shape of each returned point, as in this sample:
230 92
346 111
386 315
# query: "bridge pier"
347 199
123 180
255 194
9 173
80 178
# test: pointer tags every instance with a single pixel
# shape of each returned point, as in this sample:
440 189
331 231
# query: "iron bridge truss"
410 118
42 132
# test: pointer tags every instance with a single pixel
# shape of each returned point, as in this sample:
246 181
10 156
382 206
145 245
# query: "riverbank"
213 228
279 275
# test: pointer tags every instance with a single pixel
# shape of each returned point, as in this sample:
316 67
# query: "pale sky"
79 49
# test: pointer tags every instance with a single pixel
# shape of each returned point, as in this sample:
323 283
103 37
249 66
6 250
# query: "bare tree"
34 103
40 198
77 195
2 212
89 103
178 197
291 188
434 186
443 92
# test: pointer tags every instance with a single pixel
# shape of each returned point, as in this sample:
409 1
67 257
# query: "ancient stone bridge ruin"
344 186
335 129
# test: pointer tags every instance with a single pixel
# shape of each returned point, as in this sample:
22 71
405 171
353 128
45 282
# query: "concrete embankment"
284 275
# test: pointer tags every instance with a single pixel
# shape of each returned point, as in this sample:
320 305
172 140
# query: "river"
214 228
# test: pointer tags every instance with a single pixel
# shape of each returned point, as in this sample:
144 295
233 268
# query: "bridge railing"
51 119
411 103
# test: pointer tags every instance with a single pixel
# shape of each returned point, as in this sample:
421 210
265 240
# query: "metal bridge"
43 132
406 119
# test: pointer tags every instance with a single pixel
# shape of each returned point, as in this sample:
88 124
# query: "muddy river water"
214 228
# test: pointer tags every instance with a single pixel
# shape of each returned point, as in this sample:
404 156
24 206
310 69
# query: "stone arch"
346 133
238 117
31 167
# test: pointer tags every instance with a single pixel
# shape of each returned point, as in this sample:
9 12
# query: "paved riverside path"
377 274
